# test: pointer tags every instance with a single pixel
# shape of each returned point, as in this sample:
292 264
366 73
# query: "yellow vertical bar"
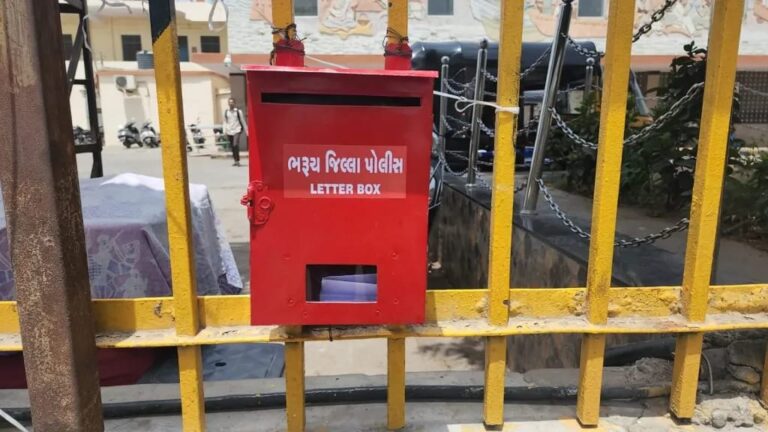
191 388
621 15
502 199
495 373
508 90
723 52
294 386
395 383
397 20
174 154
282 15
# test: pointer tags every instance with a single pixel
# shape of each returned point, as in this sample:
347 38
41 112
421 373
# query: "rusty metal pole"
45 222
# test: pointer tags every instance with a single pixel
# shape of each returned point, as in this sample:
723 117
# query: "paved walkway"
739 263
648 416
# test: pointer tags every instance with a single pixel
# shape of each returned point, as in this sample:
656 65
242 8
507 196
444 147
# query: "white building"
353 30
117 34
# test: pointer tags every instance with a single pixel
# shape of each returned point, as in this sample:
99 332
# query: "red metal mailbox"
338 195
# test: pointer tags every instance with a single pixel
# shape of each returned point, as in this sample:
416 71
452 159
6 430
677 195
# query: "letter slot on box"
338 194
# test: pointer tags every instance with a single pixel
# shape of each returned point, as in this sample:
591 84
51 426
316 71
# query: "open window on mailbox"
338 195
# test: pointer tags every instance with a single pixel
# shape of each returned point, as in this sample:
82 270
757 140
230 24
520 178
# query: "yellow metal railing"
188 322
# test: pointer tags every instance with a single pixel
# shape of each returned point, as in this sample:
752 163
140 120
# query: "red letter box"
337 199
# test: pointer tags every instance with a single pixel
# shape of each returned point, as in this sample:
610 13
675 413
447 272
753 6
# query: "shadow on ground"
470 349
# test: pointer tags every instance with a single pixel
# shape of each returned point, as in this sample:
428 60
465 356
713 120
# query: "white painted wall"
346 31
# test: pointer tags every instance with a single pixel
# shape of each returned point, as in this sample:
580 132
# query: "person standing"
234 126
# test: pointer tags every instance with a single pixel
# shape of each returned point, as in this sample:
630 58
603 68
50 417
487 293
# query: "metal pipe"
554 70
90 93
477 113
637 92
47 244
441 129
589 78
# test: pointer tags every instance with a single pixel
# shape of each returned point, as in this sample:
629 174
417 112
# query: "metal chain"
485 129
458 88
655 17
458 155
667 116
570 132
481 182
465 125
665 233
753 91
581 50
448 169
536 63
633 139
447 125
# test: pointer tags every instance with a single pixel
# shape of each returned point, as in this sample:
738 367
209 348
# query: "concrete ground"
226 185
646 416
742 413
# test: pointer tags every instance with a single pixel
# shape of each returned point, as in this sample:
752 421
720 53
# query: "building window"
183 49
591 8
305 7
66 41
210 44
131 45
440 7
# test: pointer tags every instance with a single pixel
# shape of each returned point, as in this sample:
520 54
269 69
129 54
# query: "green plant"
657 172
745 207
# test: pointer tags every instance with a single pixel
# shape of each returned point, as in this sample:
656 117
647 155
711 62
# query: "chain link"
581 50
570 132
660 122
753 91
465 126
665 233
636 138
481 182
656 16
536 63
485 129
447 166
458 88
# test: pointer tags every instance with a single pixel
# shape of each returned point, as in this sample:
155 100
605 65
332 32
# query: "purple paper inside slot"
349 288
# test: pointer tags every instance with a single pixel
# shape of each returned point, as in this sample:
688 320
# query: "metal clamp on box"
397 54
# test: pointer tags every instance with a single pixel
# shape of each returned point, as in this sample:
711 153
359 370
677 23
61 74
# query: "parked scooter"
198 140
149 136
82 136
129 135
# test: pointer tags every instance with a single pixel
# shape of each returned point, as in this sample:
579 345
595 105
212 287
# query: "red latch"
259 205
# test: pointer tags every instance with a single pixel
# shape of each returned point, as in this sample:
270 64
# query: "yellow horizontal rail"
149 322
452 329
